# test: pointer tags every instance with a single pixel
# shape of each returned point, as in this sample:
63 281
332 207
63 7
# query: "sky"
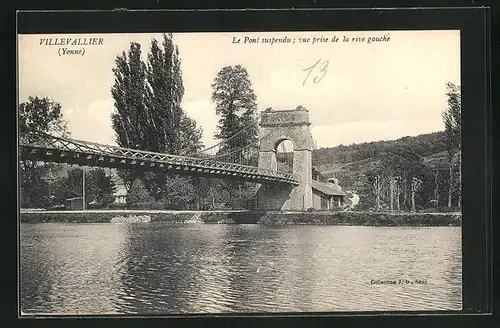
358 92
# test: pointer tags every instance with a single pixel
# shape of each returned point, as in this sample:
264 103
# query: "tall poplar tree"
176 132
166 90
130 120
148 113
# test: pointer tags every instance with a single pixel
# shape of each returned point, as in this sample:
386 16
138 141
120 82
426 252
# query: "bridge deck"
63 150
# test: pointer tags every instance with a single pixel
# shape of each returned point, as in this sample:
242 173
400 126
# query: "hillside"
350 163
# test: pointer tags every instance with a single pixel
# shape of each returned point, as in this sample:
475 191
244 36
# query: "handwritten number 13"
322 71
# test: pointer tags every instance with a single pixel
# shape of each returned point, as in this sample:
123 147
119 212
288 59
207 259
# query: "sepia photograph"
239 172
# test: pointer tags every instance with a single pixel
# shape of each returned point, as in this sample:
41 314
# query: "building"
120 193
327 195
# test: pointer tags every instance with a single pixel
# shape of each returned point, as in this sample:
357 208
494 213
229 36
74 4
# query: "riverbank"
245 217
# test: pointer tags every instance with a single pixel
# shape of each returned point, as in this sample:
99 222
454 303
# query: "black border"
474 26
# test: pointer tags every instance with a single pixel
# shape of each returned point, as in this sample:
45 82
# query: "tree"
148 109
235 103
129 119
33 187
453 127
180 192
191 144
129 93
71 186
404 165
177 133
138 193
44 115
103 184
190 136
166 89
68 186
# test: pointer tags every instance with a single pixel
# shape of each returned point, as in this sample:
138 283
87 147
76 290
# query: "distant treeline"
424 145
370 169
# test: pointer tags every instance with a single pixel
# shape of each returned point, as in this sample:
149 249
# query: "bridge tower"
275 127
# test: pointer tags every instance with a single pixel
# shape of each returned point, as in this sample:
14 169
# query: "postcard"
240 172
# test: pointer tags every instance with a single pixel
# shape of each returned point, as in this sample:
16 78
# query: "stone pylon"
275 127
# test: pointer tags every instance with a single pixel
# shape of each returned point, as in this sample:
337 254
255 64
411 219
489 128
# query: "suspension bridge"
286 184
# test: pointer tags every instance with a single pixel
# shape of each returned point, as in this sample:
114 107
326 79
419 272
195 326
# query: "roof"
327 188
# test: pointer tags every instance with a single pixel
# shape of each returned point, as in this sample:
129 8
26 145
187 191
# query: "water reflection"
196 268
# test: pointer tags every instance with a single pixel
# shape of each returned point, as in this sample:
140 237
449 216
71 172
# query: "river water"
161 268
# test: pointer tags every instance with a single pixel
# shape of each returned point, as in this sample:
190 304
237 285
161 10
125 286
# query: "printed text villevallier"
71 41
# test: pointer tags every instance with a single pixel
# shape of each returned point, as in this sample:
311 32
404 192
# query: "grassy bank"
270 218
